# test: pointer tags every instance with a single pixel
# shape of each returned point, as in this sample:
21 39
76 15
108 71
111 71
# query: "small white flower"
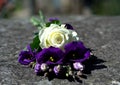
56 36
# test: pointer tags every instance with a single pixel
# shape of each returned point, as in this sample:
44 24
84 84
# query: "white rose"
56 36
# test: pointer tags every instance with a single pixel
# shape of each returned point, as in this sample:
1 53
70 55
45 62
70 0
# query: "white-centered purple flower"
78 66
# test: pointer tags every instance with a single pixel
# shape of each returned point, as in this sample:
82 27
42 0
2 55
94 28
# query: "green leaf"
42 19
40 22
48 24
33 64
35 21
35 44
56 22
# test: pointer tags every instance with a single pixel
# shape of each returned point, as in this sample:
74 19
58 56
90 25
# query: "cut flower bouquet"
56 49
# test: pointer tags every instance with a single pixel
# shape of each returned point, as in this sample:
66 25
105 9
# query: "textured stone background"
102 34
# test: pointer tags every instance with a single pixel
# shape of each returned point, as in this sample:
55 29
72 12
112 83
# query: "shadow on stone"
70 78
93 63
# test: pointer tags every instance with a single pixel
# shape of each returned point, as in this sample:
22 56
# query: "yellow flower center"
51 59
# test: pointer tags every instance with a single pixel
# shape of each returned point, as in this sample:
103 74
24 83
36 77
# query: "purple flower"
68 26
53 19
26 57
78 66
50 56
76 52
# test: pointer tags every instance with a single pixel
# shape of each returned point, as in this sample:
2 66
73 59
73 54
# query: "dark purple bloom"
50 56
68 26
53 19
76 52
26 57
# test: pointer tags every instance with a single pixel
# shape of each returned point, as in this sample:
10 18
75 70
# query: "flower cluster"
56 49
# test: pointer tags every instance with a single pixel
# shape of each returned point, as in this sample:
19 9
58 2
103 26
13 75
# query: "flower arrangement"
56 49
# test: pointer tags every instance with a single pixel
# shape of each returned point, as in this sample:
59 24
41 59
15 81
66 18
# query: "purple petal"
37 68
26 57
29 48
53 19
68 26
76 51
50 55
56 70
73 46
86 56
22 58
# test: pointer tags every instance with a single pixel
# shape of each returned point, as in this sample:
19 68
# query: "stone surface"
102 34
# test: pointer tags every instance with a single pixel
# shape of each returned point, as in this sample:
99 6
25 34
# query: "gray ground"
102 34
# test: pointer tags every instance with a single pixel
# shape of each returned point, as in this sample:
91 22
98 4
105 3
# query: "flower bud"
57 69
78 66
43 66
